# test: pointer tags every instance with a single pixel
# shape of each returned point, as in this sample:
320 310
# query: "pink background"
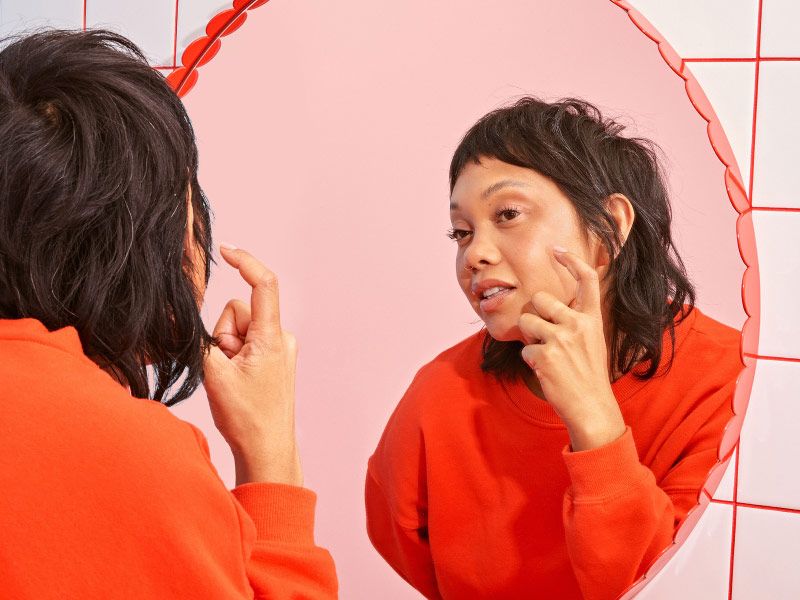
325 133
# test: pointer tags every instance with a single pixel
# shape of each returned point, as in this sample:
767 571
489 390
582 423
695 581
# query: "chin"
504 332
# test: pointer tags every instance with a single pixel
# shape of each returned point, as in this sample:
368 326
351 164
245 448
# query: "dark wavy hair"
571 142
97 155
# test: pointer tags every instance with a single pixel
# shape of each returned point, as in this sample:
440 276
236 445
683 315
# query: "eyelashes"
510 213
457 234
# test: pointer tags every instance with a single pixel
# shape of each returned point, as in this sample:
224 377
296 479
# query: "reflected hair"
584 153
97 155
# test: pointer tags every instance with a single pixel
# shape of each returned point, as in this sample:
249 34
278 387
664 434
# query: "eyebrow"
496 187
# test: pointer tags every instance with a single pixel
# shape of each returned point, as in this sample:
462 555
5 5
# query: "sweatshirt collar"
538 409
66 339
33 330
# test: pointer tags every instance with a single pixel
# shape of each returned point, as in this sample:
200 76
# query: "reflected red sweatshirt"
473 491
109 496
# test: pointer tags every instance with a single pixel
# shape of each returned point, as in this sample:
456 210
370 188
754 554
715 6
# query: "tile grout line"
750 201
777 208
175 39
756 506
764 357
755 104
744 59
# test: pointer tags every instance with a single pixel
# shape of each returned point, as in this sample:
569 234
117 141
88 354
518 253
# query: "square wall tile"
725 487
730 87
700 569
778 247
193 18
148 23
780 28
765 555
705 28
18 15
776 178
769 446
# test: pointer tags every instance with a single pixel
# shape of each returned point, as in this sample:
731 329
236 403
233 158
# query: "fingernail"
227 246
560 249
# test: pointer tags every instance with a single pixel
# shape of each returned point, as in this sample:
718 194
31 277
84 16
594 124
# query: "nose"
480 252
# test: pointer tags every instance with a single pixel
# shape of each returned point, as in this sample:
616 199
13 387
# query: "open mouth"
492 297
494 291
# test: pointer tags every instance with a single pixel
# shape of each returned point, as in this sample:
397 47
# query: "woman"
105 252
553 453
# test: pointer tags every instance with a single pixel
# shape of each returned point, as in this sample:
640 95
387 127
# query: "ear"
621 210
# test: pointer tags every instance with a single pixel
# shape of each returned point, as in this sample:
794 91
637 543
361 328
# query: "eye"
506 214
457 234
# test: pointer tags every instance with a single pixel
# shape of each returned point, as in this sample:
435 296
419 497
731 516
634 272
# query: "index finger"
265 318
587 296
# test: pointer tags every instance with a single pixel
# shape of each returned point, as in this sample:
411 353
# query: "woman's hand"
249 380
566 349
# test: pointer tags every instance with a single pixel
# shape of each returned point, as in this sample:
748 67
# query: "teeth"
492 291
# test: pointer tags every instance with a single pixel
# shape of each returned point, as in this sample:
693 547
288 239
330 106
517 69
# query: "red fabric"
473 491
109 496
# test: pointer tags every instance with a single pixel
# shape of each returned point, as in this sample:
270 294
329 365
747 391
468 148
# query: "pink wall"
325 132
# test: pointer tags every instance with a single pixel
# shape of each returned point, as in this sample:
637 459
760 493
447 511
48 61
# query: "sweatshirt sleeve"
617 517
404 547
277 528
396 497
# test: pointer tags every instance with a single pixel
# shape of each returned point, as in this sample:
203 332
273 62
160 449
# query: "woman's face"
506 220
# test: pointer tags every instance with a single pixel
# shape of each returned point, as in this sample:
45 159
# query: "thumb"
215 361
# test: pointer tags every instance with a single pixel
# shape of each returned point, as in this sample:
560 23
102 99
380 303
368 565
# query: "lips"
491 293
480 288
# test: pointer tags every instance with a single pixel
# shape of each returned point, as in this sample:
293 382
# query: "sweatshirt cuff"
605 471
281 512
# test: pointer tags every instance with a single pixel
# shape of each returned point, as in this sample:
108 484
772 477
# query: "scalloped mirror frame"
224 23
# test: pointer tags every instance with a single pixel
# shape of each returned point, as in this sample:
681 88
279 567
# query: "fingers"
551 308
234 320
535 330
265 322
587 298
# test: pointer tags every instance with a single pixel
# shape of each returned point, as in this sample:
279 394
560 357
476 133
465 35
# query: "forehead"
478 181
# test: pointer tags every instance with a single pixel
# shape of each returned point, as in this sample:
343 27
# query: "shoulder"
458 362
436 386
712 345
706 365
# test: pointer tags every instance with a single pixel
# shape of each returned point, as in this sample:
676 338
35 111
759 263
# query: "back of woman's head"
584 153
97 154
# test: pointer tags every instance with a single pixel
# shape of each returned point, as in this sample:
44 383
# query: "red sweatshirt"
109 496
474 492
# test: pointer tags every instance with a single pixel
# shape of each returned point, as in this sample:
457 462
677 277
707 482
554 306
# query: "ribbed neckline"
533 408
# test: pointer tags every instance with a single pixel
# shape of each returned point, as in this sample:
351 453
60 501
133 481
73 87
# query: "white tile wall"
778 241
705 28
725 487
769 437
776 178
767 541
780 28
193 17
700 569
17 15
149 23
729 87
766 550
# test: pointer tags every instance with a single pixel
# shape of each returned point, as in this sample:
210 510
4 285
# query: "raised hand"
566 348
250 379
